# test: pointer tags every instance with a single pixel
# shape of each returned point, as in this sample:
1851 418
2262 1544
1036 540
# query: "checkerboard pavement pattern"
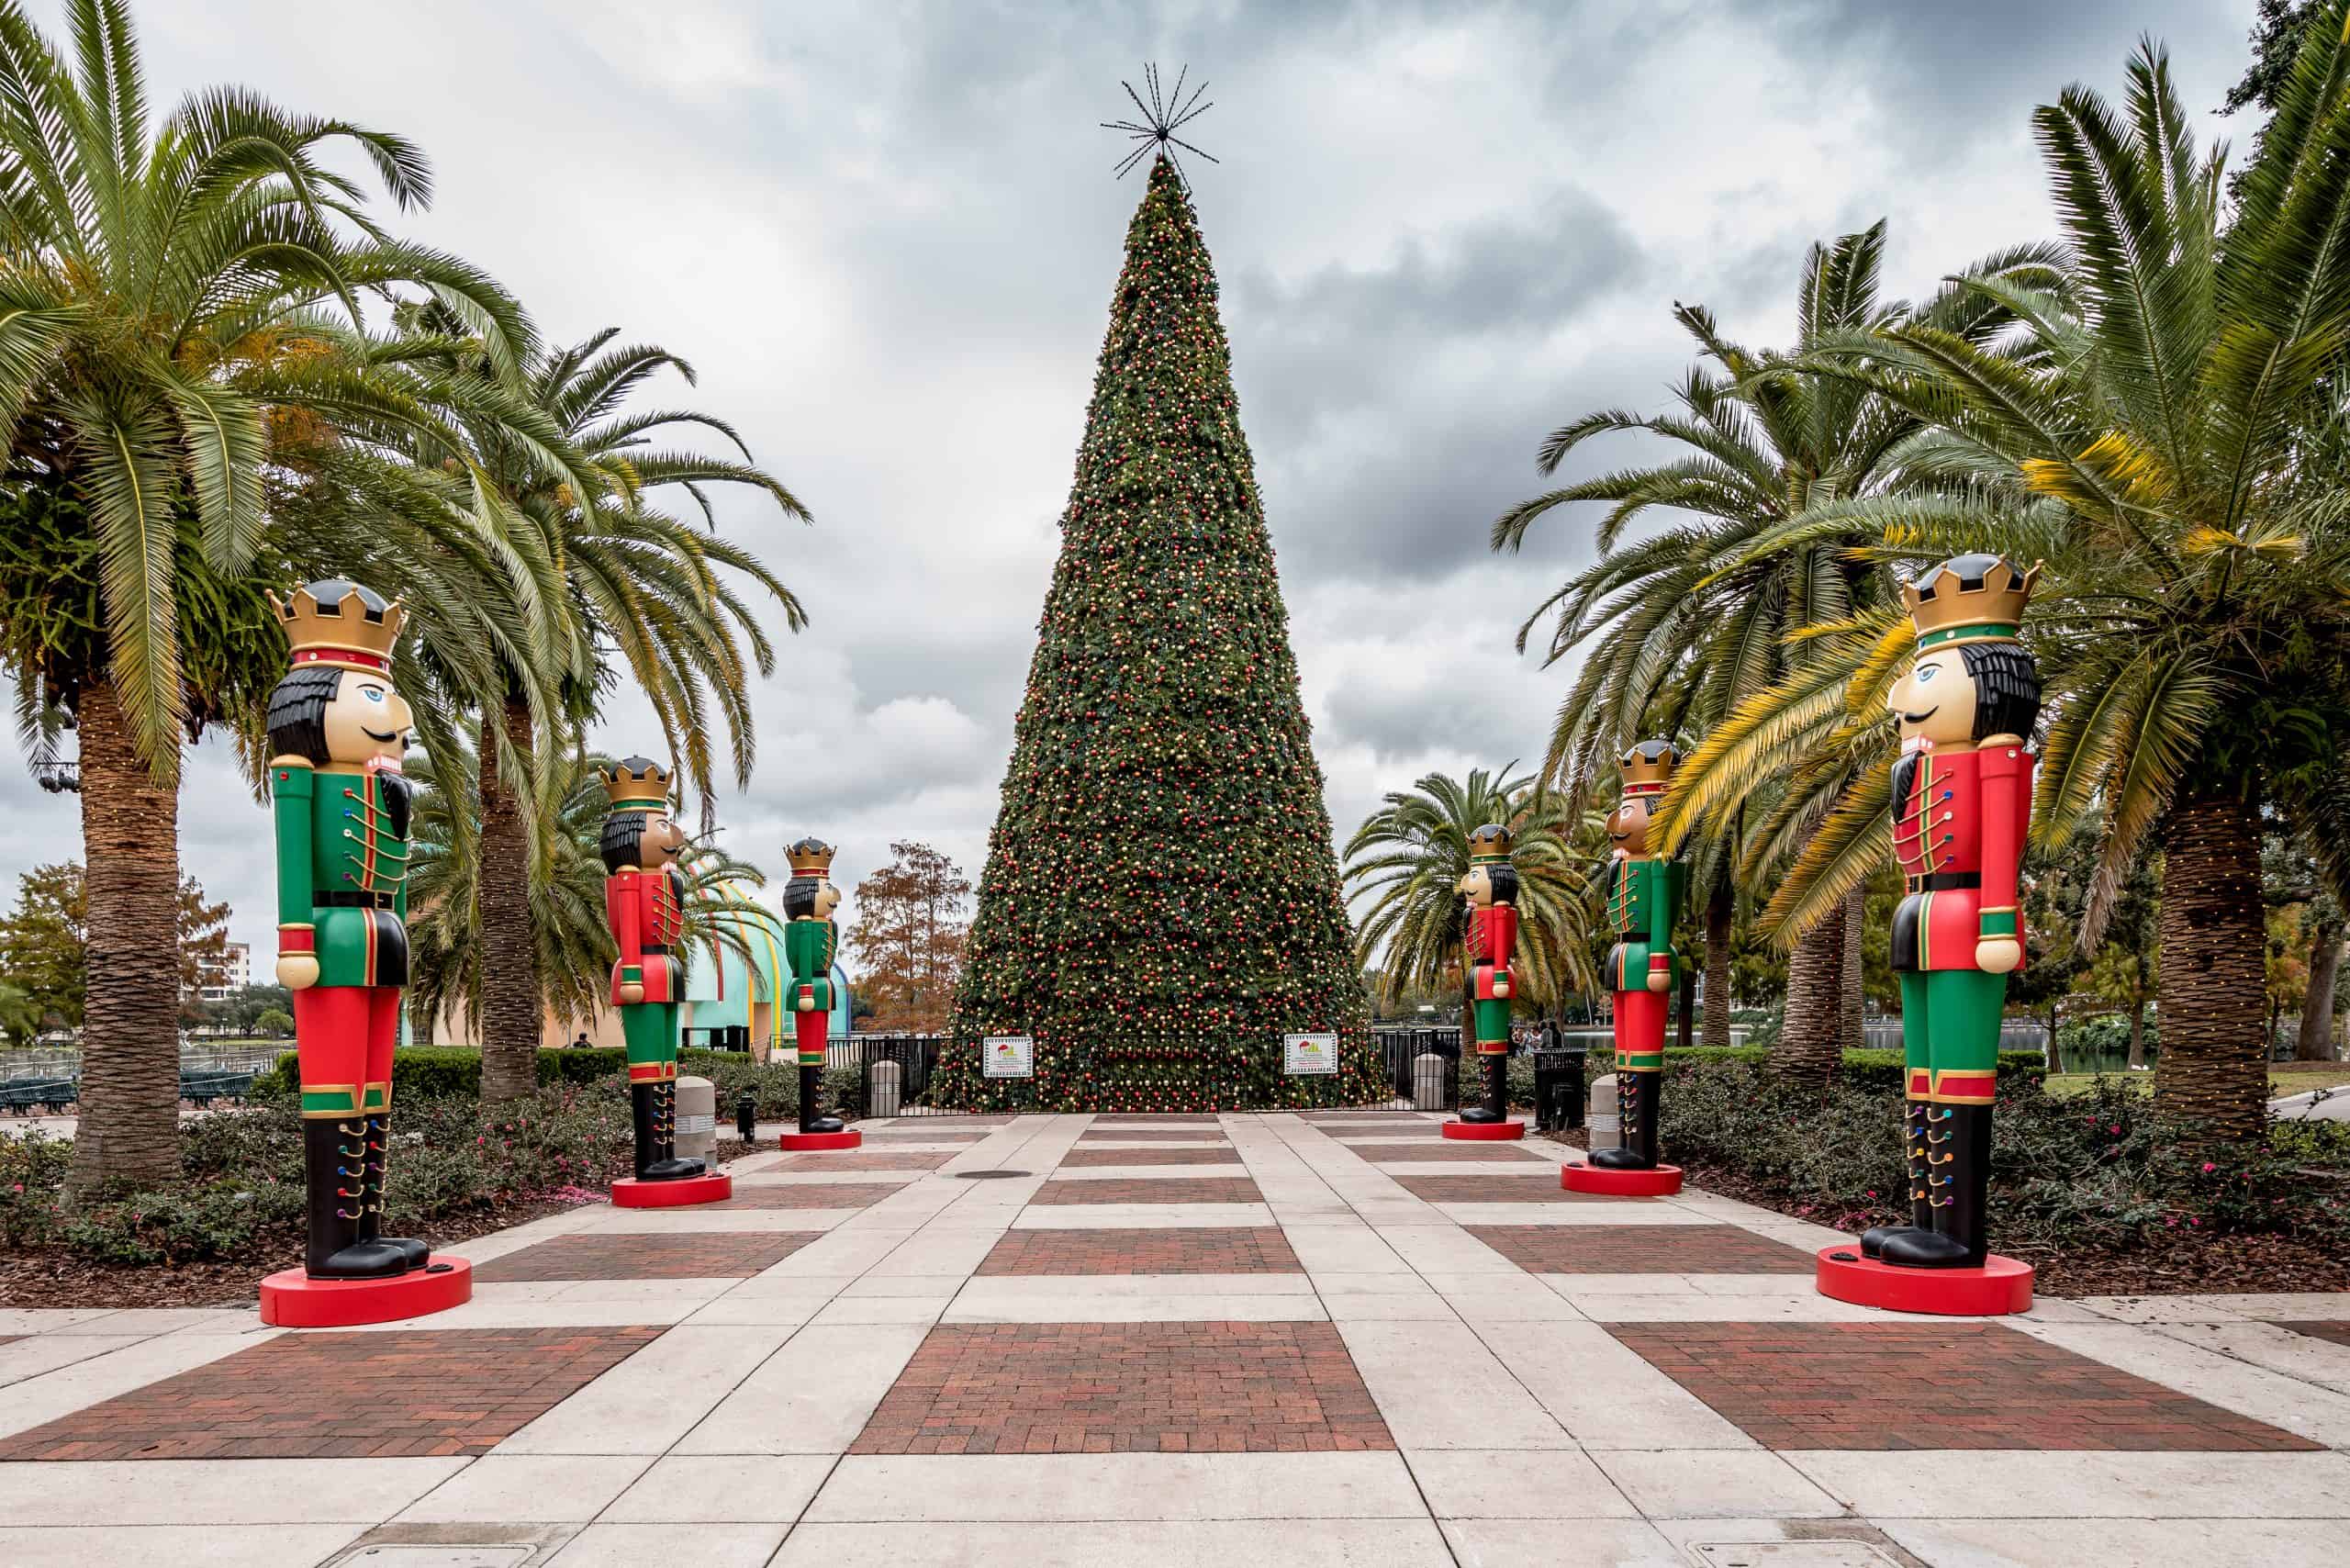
1344 1357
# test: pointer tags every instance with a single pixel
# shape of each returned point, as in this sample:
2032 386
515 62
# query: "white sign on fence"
1309 1053
1009 1056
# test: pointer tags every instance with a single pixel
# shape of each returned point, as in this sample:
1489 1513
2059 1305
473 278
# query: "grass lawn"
2284 1077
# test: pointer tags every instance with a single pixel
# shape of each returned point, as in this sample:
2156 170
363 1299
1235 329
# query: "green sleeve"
1661 902
292 788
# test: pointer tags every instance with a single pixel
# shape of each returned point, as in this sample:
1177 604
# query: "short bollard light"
746 1116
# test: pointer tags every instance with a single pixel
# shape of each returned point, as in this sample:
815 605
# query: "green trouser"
1493 1023
1950 1034
650 1031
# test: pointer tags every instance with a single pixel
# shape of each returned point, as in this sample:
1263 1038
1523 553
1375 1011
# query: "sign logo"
1309 1054
1008 1056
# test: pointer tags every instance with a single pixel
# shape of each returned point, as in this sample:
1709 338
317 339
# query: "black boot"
668 1167
1922 1204
371 1221
654 1124
645 1122
334 1170
811 1081
1635 1108
1497 1105
1959 1146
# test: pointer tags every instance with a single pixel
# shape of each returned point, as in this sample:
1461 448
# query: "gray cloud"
887 236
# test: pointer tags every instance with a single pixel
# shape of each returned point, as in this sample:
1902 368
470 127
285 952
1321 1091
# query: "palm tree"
1679 628
165 371
628 584
1408 857
2166 445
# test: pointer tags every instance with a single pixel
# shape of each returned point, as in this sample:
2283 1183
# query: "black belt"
1945 881
662 947
354 900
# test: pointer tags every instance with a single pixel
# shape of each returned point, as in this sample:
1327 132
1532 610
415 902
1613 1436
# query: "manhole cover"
424 1555
988 1175
1794 1554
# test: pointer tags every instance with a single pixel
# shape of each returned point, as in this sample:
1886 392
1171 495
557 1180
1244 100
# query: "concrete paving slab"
1293 1543
722 1489
217 1491
813 1396
2009 1483
1035 1488
2068 1543
183 1546
1515 1483
1710 1483
527 1489
1541 1543
634 1546
646 1403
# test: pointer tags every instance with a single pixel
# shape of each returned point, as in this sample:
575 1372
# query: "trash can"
1558 1088
1431 1081
1600 1115
883 1089
697 1120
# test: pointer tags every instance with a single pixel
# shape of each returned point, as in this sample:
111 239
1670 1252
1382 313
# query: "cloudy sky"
885 235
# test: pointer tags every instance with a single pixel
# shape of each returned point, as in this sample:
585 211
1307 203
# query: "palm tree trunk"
2138 1022
512 1012
2213 986
1811 1040
2316 1042
130 1044
1854 1032
1720 910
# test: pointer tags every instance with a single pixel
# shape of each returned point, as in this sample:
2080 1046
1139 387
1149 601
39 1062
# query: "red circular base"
1656 1181
2000 1286
628 1193
848 1139
291 1299
1484 1132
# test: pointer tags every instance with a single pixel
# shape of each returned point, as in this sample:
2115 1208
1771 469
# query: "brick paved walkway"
347 1396
1207 1250
1376 1349
1924 1385
1127 1388
698 1255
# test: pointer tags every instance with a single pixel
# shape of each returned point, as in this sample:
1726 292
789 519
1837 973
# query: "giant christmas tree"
1160 903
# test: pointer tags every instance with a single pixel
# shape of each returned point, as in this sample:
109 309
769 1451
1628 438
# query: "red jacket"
1491 939
647 912
1959 821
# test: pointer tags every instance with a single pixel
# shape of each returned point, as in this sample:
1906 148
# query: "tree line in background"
2153 408
223 373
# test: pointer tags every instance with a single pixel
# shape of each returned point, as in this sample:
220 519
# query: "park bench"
24 1096
201 1089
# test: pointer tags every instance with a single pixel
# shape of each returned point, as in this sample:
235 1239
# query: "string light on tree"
1162 899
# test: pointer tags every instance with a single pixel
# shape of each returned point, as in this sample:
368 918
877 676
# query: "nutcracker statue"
337 733
1962 806
644 905
810 939
1490 887
1643 901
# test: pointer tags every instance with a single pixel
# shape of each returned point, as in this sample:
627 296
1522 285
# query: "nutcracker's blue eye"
1927 673
373 693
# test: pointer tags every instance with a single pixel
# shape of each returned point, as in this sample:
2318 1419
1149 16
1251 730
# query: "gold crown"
636 781
811 856
1491 842
1648 767
337 622
1969 599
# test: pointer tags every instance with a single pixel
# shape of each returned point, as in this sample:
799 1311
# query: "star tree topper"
1162 116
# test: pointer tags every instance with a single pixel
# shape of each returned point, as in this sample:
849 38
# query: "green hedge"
1872 1068
452 1072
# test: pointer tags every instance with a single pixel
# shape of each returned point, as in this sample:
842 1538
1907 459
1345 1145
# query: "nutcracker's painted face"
1484 886
1628 826
645 841
332 715
1936 700
810 897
